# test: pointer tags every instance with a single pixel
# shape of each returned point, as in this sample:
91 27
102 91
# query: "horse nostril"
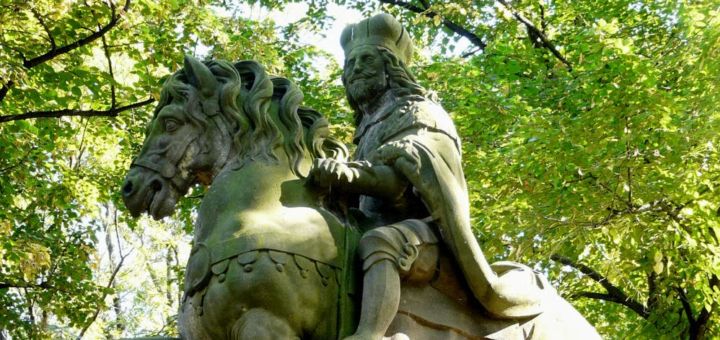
127 188
156 185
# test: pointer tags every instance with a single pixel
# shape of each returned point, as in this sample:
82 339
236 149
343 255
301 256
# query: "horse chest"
299 230
285 261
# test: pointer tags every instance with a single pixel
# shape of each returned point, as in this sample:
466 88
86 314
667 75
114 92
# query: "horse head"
214 116
186 142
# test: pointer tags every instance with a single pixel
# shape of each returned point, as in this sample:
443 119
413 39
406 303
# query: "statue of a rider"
408 175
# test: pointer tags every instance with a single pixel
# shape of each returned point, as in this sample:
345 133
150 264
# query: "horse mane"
262 113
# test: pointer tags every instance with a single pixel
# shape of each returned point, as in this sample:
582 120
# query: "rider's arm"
360 178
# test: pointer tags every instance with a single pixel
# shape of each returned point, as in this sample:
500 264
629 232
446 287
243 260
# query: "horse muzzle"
146 191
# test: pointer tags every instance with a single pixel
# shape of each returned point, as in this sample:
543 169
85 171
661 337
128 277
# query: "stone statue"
413 195
289 228
267 259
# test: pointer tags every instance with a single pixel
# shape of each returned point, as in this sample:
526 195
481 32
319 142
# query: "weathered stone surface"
420 198
267 258
271 259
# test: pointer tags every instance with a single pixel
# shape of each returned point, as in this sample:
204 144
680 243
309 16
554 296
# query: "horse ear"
200 76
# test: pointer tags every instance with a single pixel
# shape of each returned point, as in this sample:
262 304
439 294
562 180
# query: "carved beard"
367 88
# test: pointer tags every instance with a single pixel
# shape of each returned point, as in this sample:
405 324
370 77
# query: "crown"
380 30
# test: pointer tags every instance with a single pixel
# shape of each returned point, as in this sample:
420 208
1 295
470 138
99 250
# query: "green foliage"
611 164
590 147
91 69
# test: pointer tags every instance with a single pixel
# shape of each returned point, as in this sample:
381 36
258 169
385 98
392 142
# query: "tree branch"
105 294
30 304
5 285
614 294
471 52
112 112
538 33
115 18
4 90
19 162
31 285
698 325
652 289
113 102
543 23
686 306
472 37
598 296
698 329
53 45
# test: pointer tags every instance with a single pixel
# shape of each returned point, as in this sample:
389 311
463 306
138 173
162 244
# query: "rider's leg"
380 300
388 254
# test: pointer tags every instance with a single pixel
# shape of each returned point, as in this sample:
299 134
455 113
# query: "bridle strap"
160 169
166 169
171 171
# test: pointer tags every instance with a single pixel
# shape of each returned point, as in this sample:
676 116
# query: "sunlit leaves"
57 173
612 164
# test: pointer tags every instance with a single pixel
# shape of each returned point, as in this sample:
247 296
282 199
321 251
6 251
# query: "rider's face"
364 73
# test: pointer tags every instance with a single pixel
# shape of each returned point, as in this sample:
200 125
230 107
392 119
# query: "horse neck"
255 187
258 184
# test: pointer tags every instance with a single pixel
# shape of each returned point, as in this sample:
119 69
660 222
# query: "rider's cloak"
417 137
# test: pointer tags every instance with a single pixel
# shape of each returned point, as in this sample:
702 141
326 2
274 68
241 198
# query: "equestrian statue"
297 239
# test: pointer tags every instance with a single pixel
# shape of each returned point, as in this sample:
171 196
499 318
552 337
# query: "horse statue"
272 257
266 258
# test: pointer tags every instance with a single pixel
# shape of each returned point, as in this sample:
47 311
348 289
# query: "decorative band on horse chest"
206 261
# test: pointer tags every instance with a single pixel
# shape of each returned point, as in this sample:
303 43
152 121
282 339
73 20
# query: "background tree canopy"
590 141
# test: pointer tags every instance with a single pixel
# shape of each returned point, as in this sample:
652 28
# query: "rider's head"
377 52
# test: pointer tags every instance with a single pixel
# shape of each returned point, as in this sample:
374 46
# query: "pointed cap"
380 30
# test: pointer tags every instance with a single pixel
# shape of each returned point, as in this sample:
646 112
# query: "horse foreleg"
259 324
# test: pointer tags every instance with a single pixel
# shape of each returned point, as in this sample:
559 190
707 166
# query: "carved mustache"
362 75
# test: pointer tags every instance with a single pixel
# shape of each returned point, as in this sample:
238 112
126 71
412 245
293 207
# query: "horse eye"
171 125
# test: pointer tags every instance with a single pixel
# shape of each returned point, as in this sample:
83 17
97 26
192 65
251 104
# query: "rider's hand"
327 172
